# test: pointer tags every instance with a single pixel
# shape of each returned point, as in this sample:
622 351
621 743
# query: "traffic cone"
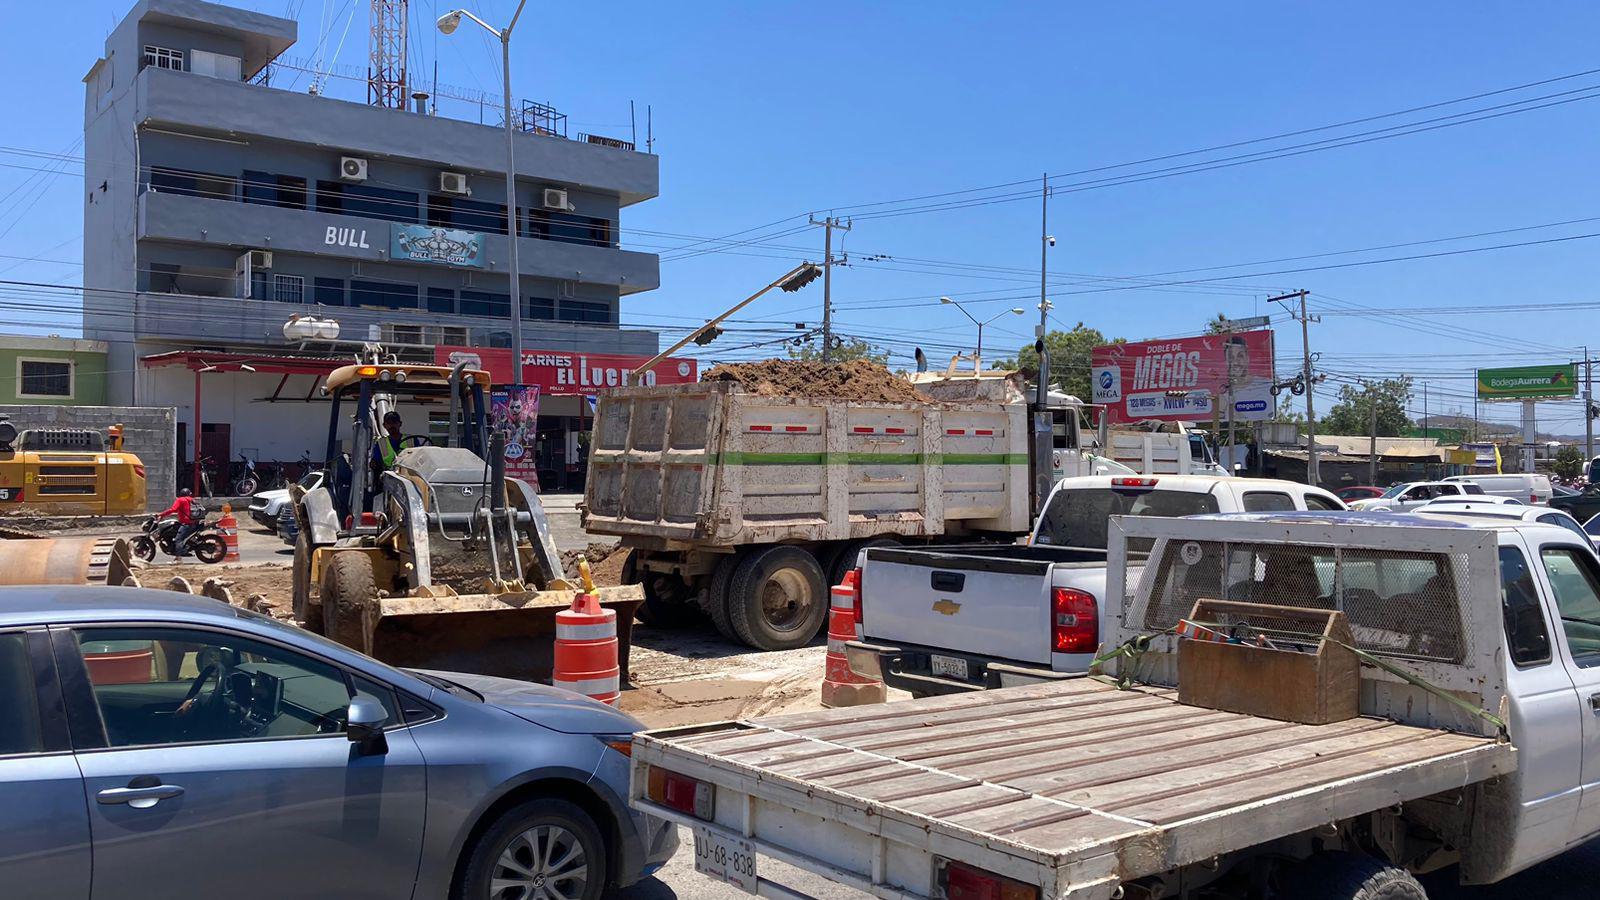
841 686
586 646
229 526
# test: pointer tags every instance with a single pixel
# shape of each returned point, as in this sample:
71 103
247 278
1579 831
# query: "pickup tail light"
852 579
682 793
964 882
1134 482
1075 623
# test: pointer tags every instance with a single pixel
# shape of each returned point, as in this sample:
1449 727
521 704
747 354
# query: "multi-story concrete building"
218 206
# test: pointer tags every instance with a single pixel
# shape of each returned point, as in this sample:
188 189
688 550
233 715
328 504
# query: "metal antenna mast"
386 67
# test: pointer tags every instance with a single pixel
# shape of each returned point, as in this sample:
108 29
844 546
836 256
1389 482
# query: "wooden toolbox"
1281 662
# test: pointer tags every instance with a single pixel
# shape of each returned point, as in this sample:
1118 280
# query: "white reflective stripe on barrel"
591 686
842 599
836 646
595 632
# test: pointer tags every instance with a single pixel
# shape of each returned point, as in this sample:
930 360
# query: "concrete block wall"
150 432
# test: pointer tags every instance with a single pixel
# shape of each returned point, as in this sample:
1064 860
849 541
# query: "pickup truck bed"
1075 786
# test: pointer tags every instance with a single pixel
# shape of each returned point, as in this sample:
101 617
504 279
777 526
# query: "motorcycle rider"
183 508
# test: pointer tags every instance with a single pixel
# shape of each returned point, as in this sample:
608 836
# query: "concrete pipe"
102 560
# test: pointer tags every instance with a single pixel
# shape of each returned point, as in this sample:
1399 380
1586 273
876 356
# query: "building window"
162 58
328 291
541 308
483 303
445 211
568 228
267 189
441 300
45 379
585 311
193 184
365 200
289 288
383 294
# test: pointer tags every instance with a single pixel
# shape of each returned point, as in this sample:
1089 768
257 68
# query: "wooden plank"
1070 716
1012 713
1017 696
983 796
1121 737
1100 728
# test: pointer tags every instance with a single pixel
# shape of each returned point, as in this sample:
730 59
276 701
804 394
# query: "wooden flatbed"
1074 786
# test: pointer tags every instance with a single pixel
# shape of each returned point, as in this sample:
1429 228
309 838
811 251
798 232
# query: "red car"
1362 492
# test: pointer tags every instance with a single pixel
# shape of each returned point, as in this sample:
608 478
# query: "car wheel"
144 547
777 599
716 604
307 609
538 850
348 585
210 549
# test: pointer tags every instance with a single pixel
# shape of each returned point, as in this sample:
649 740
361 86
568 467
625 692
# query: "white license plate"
725 859
950 666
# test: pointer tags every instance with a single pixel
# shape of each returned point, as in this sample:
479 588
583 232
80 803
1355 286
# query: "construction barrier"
229 526
586 646
841 686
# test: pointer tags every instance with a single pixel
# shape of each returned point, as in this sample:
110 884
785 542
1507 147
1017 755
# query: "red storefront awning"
562 373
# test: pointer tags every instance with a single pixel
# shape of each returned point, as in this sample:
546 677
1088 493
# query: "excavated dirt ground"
854 380
273 582
605 563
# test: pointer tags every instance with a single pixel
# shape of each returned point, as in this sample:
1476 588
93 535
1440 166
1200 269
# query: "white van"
1530 489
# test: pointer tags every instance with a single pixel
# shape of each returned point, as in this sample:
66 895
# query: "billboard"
1557 382
516 412
427 243
1186 379
560 374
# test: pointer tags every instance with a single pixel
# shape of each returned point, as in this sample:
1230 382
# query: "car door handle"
139 797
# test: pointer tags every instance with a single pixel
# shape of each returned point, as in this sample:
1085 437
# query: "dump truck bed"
1073 786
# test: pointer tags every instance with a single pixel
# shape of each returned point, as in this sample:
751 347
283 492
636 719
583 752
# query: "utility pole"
828 225
1424 409
1588 411
1372 442
1313 470
1045 243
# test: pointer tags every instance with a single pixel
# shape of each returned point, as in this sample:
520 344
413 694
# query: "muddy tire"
348 587
545 841
667 602
777 599
716 602
846 560
307 609
144 547
1351 876
209 549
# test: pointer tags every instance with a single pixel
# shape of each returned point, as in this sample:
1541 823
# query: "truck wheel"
541 848
666 598
846 560
348 585
307 610
716 605
1350 876
777 599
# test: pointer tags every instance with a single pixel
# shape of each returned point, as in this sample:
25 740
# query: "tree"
1069 358
1569 462
1219 325
845 349
1352 414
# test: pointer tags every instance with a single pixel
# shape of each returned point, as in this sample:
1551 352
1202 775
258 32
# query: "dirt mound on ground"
605 563
854 380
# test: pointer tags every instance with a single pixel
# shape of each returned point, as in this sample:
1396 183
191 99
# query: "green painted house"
53 371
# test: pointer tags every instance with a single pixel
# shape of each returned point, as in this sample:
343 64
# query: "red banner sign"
568 374
1186 379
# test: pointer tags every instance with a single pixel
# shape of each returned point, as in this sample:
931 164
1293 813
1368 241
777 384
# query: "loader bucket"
506 635
64 561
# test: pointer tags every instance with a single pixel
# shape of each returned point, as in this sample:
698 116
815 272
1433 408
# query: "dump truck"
438 559
1297 705
749 505
68 472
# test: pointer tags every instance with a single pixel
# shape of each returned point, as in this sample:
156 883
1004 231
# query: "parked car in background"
1591 527
1530 489
1409 495
266 506
225 754
1359 492
1474 500
1510 510
1583 505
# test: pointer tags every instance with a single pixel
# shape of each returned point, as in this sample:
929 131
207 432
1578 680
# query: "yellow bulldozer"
68 472
428 554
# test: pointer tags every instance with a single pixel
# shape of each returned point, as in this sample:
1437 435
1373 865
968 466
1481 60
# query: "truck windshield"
1077 518
1394 491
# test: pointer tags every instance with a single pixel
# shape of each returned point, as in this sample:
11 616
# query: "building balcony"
237 226
196 103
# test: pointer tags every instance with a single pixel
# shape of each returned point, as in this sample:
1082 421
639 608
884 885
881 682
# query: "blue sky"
770 110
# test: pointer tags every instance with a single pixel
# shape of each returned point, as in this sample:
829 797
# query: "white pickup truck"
1475 751
945 619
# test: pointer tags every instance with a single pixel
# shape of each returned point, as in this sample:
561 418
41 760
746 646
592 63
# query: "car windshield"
1077 517
309 480
1593 525
1395 491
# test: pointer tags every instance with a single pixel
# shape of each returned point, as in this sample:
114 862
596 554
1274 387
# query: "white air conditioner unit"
555 198
352 168
260 259
454 183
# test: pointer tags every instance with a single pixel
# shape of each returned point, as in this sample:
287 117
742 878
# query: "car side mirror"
364 726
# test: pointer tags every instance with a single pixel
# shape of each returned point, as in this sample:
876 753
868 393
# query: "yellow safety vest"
386 449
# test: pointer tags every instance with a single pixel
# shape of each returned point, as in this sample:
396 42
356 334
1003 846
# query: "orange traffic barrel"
840 685
229 526
586 646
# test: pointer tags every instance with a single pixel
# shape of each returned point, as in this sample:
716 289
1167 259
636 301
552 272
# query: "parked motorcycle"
248 481
206 542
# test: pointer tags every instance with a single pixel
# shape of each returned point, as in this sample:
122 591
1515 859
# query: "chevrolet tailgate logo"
946 607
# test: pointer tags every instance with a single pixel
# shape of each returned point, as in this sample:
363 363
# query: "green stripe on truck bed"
737 458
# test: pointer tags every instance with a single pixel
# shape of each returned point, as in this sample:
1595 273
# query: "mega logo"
1163 371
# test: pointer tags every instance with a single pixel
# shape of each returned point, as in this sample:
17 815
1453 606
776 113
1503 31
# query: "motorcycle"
206 542
248 481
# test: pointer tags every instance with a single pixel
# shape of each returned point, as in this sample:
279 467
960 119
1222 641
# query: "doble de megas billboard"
564 374
1186 378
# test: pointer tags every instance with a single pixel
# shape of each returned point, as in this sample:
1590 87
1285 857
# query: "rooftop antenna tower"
386 70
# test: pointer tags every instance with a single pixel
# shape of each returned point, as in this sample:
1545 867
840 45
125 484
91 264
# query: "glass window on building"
441 300
44 378
328 291
267 189
383 294
445 211
193 184
483 303
541 308
366 200
289 288
585 311
162 58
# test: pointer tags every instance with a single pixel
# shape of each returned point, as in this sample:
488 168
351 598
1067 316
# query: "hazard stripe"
836 646
596 632
842 600
589 686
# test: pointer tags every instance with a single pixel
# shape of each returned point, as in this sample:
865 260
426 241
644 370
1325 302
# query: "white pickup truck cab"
1475 752
946 619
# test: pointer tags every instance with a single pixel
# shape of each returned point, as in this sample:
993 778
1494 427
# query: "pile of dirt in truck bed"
854 380
605 563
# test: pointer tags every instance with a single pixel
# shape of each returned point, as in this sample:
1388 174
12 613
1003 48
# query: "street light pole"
977 362
447 24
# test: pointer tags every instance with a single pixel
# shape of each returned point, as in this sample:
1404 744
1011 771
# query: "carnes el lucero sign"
559 374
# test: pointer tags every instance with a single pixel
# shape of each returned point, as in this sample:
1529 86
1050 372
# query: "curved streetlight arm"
963 309
487 27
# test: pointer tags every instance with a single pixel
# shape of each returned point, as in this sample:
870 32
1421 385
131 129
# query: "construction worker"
183 508
388 445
